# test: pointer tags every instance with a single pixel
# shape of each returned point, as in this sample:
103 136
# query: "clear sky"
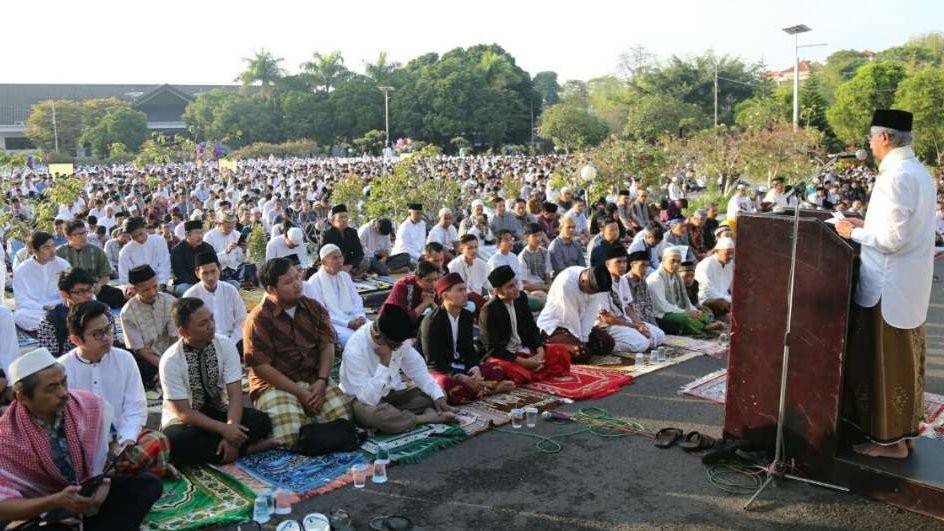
204 41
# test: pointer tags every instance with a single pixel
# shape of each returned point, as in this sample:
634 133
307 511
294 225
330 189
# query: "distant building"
163 104
785 77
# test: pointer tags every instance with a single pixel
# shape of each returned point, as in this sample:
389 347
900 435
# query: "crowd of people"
547 278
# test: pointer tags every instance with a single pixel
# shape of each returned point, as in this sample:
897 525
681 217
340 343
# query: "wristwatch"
325 378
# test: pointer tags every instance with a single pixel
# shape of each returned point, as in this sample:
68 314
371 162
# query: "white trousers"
631 340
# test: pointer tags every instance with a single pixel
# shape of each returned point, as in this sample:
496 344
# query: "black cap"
134 223
549 207
394 323
892 119
140 274
614 251
638 256
600 279
206 257
414 206
501 275
687 266
533 228
193 224
337 209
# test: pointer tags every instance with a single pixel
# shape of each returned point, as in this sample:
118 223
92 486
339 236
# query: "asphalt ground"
499 481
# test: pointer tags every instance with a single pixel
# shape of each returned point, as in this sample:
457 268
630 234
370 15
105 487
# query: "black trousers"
190 445
148 373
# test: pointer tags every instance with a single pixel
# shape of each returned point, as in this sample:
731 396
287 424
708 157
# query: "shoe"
724 450
666 437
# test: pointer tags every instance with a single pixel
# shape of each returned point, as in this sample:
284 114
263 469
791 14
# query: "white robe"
228 260
36 285
660 303
9 348
278 248
568 307
628 339
229 310
714 279
444 236
339 296
411 237
475 275
153 253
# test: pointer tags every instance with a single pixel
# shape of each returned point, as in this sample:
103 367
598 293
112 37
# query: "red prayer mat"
582 383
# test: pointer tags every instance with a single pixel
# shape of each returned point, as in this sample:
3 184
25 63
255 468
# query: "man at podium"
884 378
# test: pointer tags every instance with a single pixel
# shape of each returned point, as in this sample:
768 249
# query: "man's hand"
317 398
644 330
442 406
474 384
695 314
844 228
235 434
356 323
227 452
73 502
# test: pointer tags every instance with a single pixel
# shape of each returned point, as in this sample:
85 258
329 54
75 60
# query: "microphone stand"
777 468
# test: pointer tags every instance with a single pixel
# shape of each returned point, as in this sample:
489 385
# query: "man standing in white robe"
36 282
223 300
334 289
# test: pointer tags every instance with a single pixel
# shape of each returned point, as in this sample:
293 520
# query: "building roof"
16 99
804 67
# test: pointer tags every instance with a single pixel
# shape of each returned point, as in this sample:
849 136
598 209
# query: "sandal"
392 523
724 450
695 441
666 437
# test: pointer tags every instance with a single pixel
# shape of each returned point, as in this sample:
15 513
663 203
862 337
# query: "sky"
205 41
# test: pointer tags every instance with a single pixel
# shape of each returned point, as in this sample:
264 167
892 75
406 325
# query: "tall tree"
545 84
326 70
652 116
873 87
571 127
636 61
923 95
59 122
381 69
263 68
119 125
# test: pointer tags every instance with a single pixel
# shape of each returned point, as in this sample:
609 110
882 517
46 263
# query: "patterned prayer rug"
416 444
202 497
582 383
625 362
491 411
709 347
299 474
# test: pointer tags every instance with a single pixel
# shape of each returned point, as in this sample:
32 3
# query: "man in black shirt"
345 237
183 256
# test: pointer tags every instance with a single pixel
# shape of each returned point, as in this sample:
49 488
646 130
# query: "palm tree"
380 70
326 70
262 67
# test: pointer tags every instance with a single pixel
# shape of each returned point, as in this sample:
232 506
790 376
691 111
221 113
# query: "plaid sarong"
151 453
288 415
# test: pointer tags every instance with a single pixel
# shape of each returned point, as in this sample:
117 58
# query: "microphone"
859 154
556 415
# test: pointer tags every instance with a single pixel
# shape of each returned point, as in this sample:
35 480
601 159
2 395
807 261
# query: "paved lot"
499 481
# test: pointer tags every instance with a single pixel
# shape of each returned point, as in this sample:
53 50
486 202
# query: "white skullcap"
478 202
296 236
328 249
724 243
445 212
30 363
671 251
197 214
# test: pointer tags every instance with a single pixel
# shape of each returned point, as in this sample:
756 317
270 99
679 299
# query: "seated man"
715 275
650 241
411 234
35 282
446 339
639 290
143 249
674 312
565 250
183 257
288 345
534 261
146 322
333 288
80 254
204 426
54 439
504 257
355 261
75 287
444 233
629 332
609 237
472 269
573 305
511 338
416 293
111 373
371 369
290 243
223 300
687 272
434 253
229 246
375 240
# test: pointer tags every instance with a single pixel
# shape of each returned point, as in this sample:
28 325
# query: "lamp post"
386 91
796 30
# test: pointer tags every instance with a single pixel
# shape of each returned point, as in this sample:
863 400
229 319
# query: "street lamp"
386 91
796 30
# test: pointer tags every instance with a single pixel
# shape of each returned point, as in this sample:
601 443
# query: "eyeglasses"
101 334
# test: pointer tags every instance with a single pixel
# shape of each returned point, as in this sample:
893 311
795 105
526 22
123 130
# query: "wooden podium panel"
824 281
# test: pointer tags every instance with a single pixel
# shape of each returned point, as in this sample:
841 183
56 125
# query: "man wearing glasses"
92 259
75 287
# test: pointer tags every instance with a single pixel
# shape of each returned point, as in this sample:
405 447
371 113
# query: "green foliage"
873 87
413 180
256 244
545 84
161 149
652 116
611 100
325 70
923 95
294 148
371 143
616 160
840 67
761 112
263 68
69 122
571 127
119 125
349 190
237 119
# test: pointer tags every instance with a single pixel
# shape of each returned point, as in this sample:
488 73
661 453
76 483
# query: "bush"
294 148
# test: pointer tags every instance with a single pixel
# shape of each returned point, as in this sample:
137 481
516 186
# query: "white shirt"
278 248
568 307
474 275
3 275
938 222
36 285
410 239
714 280
675 192
175 374
228 260
314 288
9 349
580 220
372 241
898 241
228 308
116 379
445 236
661 304
153 252
498 259
779 199
363 376
739 204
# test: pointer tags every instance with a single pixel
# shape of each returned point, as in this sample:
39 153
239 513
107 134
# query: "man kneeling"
446 340
370 374
204 426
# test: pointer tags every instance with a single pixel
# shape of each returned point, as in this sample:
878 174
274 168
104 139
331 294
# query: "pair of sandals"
693 442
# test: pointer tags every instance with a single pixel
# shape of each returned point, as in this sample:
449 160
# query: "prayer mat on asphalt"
582 383
251 297
625 362
301 475
416 444
491 411
709 347
202 497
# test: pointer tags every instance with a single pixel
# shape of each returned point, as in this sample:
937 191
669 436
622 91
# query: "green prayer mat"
416 444
201 497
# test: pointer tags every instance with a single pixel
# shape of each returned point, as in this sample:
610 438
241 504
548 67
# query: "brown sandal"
695 441
666 437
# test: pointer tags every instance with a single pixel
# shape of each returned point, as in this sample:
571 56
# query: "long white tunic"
475 274
330 290
153 252
229 310
660 303
278 248
714 279
372 241
116 379
444 236
228 260
363 376
411 237
898 241
36 285
739 204
568 307
9 349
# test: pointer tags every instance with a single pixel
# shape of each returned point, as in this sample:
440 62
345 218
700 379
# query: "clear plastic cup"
640 360
380 464
260 510
283 501
724 338
531 416
359 473
517 417
270 500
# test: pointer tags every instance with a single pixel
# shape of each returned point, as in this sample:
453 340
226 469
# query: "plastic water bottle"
260 510
380 464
